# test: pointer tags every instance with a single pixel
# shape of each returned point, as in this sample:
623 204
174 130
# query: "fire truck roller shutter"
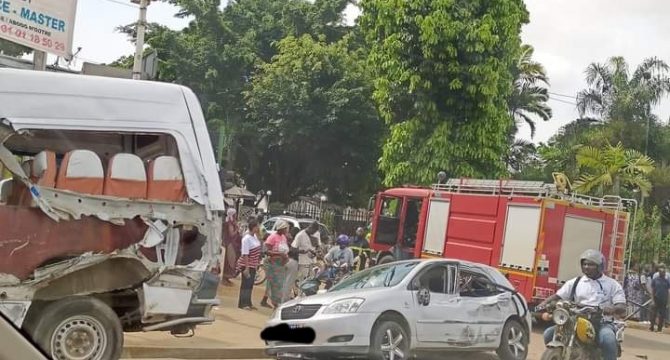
436 227
579 234
522 226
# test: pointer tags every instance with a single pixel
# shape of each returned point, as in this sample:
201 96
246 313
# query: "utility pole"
139 41
39 60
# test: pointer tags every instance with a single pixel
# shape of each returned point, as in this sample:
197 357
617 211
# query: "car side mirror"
423 297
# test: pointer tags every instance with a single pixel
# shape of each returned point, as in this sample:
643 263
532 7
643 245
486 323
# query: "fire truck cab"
530 230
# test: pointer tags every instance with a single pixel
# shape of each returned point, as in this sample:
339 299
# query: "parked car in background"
400 309
297 223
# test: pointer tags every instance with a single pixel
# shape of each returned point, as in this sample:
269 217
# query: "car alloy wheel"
392 345
515 342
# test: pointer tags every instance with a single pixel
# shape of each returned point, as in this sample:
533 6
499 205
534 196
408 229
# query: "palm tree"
614 94
610 167
529 96
521 153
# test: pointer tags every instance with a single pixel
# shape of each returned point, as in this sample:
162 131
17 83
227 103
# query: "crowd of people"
647 290
287 255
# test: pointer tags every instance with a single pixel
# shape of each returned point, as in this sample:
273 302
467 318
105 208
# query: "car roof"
292 218
94 98
459 261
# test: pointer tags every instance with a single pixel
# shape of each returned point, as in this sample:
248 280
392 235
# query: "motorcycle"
331 275
575 335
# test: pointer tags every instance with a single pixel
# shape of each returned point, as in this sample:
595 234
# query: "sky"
567 36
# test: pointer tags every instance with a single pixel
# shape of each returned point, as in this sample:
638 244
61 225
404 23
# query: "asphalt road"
638 344
237 328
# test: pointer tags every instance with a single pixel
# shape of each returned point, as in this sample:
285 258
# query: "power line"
123 3
563 101
563 95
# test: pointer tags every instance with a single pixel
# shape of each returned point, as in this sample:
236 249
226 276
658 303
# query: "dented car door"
481 313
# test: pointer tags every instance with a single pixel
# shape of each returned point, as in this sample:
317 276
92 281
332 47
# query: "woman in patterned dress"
277 250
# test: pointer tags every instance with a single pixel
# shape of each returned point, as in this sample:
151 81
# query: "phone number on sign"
33 38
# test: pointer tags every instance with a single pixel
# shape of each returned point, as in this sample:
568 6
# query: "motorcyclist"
341 253
595 289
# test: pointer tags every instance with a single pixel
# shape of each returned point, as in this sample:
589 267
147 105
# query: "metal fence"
339 221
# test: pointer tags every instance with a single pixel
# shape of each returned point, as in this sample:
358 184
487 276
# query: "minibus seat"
126 177
165 180
81 171
44 169
6 189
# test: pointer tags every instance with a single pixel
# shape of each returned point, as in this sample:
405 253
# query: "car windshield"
379 276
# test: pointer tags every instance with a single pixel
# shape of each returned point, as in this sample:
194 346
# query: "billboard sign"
46 25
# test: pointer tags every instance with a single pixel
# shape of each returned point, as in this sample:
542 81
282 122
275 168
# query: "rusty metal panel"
30 239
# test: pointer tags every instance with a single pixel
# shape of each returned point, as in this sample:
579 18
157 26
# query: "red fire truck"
530 230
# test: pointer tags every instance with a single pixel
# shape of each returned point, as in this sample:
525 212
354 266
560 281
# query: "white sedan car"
393 311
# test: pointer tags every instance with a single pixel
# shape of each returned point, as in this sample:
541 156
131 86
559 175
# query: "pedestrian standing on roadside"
645 283
360 246
248 263
231 242
660 286
634 290
291 274
277 250
307 244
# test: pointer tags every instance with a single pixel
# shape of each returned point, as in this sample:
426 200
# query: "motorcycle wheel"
552 354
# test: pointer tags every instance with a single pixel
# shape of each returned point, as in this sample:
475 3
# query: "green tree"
610 168
530 94
125 62
222 48
442 80
11 48
315 125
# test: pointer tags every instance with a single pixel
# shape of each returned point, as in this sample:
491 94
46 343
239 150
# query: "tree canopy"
442 81
313 123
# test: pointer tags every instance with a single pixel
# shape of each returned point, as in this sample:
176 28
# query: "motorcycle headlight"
344 306
560 316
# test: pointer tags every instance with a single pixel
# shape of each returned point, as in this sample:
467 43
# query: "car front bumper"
340 334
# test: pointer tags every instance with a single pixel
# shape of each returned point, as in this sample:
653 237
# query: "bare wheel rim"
392 345
515 342
79 337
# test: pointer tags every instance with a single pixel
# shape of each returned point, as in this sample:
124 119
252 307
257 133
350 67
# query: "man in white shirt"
593 288
306 242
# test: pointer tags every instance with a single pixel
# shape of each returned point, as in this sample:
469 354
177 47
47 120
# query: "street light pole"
139 41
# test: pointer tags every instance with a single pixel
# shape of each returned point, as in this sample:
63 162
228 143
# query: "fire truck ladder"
495 187
616 259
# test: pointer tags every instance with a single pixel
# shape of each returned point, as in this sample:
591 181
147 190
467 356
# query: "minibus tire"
87 322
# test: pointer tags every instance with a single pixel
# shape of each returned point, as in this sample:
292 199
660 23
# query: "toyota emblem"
297 309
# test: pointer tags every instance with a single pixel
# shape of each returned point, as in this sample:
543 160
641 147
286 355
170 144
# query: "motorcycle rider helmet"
594 256
343 240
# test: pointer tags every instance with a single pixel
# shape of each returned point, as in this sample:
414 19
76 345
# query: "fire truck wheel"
513 342
79 328
385 259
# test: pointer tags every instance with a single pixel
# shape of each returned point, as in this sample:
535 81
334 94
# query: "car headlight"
560 316
344 306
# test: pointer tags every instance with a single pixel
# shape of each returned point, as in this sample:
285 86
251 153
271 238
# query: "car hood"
331 297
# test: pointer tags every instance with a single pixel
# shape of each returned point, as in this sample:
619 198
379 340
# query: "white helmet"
594 256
